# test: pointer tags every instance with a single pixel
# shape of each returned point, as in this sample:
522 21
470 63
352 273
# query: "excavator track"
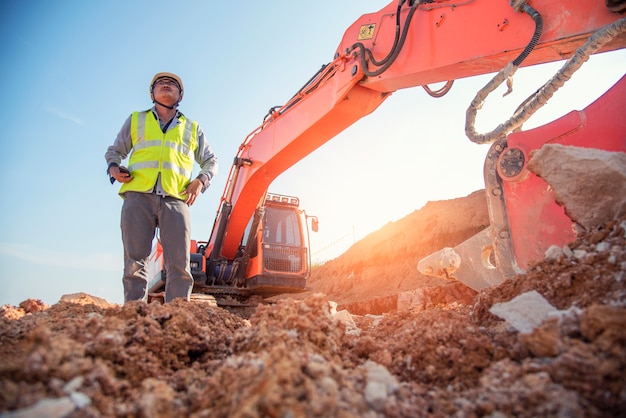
234 301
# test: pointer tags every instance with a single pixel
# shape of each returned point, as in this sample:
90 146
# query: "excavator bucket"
542 185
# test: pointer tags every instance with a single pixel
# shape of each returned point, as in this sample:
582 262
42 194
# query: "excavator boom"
403 45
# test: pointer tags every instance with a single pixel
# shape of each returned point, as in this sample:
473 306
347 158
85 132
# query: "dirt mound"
83 357
371 275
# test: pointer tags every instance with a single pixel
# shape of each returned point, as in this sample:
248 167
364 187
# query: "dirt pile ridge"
301 358
370 276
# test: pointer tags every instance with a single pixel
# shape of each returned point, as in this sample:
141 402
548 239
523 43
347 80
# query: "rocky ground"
450 356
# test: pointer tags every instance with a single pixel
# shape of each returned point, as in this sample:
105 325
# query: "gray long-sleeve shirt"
123 145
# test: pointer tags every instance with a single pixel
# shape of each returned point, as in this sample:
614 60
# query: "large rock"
524 312
589 183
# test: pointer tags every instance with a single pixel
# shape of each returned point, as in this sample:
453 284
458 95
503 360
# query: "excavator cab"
280 259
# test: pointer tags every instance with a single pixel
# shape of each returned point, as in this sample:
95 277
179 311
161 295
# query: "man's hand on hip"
192 191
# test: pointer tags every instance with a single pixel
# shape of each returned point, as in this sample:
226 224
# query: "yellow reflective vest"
171 154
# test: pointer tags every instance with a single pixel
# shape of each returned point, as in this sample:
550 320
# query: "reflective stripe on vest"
170 154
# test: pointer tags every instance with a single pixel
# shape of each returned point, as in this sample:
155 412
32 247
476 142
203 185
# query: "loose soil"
301 357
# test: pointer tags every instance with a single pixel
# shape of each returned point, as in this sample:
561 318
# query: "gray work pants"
142 213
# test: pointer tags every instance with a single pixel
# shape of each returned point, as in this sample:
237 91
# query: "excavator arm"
405 44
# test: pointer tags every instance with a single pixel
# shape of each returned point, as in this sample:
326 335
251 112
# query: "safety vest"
171 154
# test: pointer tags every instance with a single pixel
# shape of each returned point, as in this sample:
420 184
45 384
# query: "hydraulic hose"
370 56
542 95
441 92
535 39
395 50
505 74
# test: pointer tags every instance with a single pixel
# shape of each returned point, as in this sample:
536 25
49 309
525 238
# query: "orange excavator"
259 243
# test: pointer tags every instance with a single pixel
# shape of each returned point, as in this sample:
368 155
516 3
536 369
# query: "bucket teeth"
469 262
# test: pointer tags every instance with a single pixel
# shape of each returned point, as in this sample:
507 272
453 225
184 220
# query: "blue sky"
74 70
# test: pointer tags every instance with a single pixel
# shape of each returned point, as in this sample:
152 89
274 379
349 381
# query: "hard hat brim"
171 76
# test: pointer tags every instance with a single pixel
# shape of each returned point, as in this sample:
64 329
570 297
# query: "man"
157 188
